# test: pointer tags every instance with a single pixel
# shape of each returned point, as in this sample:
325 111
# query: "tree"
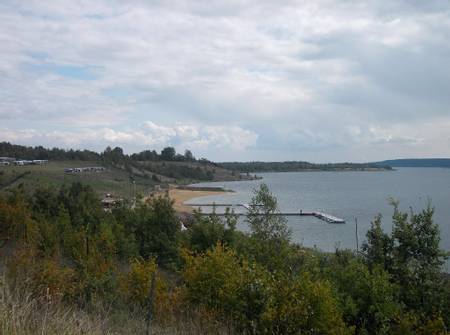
157 230
257 301
168 154
208 231
270 235
413 258
135 285
221 282
16 223
300 305
378 247
368 298
146 155
262 216
188 155
83 205
418 260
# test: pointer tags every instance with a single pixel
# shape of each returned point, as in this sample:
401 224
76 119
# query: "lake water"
347 195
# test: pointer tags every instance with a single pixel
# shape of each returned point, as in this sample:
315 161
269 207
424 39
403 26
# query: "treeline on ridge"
418 162
115 154
292 166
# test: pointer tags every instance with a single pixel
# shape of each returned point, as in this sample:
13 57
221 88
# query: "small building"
85 169
40 161
23 162
109 203
4 163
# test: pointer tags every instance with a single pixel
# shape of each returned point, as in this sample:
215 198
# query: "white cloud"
147 136
299 74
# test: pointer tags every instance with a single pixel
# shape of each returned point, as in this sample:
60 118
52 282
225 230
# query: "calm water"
347 195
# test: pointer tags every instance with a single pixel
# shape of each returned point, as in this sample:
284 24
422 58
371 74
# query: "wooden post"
150 302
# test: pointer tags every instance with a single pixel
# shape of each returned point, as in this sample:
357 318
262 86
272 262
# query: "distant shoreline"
324 170
298 166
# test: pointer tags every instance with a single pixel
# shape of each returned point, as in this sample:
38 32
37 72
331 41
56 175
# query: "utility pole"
356 235
151 297
132 191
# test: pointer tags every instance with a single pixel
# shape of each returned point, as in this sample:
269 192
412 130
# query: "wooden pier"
319 215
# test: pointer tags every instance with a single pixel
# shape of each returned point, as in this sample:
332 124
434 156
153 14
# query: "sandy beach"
180 196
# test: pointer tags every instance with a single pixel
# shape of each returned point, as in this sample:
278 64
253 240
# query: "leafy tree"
299 305
270 235
413 258
418 259
135 285
168 154
379 246
207 231
16 223
157 230
262 216
82 204
115 156
188 155
259 302
213 279
236 291
146 155
368 298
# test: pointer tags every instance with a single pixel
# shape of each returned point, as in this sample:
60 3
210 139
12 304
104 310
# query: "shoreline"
182 195
318 170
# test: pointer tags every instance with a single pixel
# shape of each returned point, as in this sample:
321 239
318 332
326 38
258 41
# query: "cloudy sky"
319 80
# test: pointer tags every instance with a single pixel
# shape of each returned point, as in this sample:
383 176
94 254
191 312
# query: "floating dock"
328 218
319 215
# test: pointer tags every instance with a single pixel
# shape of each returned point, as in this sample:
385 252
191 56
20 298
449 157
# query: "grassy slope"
113 180
21 314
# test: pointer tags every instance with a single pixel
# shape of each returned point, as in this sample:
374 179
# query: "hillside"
112 180
122 175
417 162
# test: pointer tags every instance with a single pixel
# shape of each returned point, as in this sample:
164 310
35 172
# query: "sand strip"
180 196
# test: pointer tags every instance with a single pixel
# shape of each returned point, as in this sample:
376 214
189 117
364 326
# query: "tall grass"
22 314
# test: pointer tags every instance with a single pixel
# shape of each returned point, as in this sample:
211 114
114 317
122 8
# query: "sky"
319 80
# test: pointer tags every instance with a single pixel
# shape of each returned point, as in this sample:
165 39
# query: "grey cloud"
295 74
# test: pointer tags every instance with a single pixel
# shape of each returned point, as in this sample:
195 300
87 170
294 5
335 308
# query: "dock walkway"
319 215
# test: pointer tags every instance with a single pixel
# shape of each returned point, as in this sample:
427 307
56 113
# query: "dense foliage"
61 246
180 171
115 155
23 152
